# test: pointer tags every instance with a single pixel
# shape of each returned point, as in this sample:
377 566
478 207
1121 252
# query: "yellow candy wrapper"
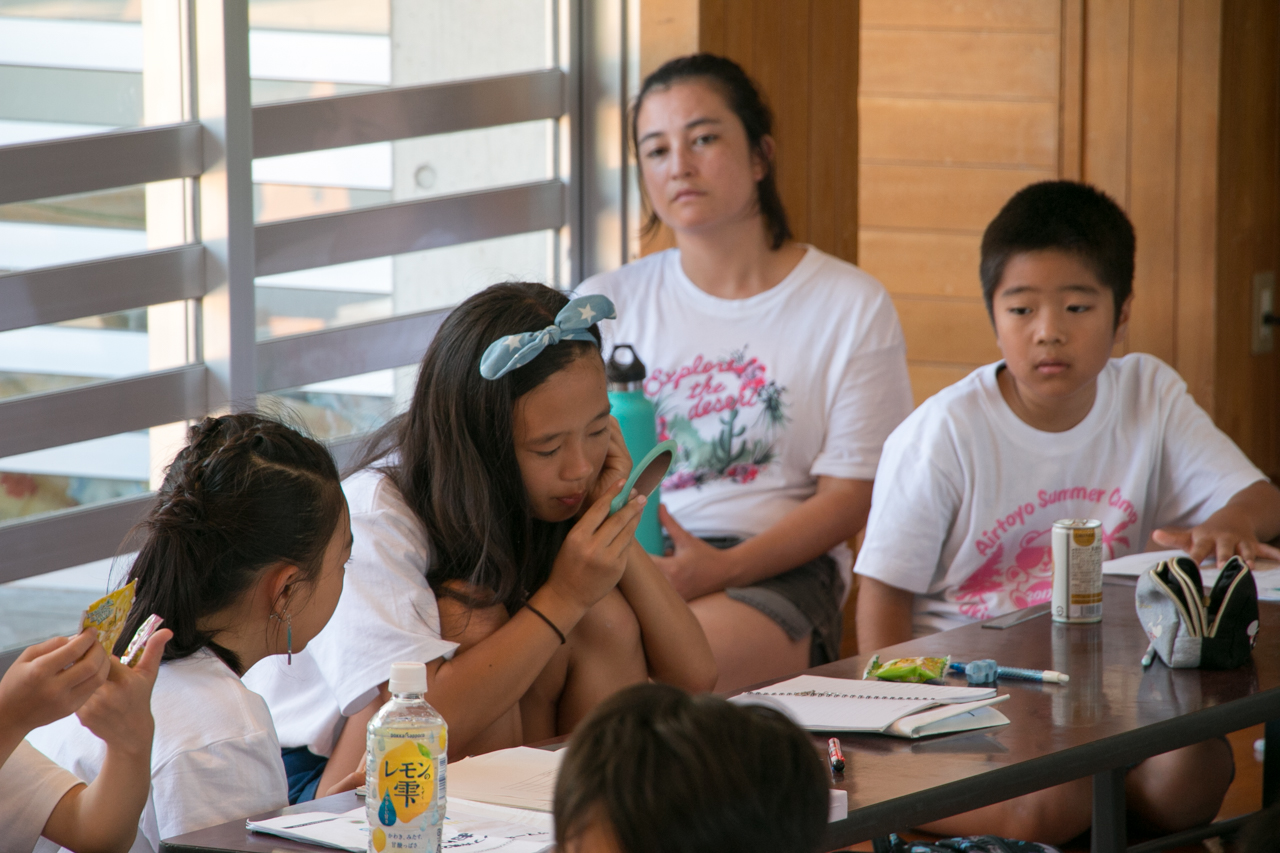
107 614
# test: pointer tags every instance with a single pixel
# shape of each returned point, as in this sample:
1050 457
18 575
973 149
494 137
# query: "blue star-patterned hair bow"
572 324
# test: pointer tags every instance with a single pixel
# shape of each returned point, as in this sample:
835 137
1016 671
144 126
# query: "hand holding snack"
50 680
119 711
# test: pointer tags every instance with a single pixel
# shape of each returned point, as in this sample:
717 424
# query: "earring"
288 635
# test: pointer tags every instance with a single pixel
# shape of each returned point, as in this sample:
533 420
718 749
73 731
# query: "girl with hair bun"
242 556
779 370
485 548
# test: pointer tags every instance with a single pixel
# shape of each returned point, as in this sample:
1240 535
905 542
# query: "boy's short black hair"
1068 217
667 771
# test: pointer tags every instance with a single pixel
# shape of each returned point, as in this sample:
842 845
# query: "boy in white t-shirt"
968 487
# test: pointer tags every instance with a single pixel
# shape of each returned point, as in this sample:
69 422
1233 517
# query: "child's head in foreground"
1057 278
655 769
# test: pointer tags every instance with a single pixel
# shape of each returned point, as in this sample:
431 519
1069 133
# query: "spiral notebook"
823 704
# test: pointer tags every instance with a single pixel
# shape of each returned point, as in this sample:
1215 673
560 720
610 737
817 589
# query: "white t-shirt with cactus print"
763 394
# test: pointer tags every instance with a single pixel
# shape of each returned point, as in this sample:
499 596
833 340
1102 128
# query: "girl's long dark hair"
245 493
743 97
452 454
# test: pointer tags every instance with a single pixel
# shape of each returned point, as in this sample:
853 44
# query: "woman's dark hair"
1064 216
452 454
691 774
743 97
245 493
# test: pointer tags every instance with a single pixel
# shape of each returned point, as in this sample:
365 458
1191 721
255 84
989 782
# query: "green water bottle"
638 420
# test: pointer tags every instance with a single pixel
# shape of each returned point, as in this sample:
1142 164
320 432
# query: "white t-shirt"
215 756
763 394
967 493
30 786
387 613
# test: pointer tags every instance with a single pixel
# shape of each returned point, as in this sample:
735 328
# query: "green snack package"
914 670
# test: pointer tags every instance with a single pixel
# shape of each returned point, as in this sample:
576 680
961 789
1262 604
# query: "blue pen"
1024 674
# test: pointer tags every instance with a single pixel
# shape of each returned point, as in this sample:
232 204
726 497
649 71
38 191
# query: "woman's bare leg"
749 647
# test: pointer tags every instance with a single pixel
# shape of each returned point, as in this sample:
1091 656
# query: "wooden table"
1111 715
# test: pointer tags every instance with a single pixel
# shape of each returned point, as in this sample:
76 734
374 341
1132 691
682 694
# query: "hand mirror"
647 473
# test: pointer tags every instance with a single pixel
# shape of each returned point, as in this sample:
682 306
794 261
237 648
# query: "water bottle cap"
627 368
408 678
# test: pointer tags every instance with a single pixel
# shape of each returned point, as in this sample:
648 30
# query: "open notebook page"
819 703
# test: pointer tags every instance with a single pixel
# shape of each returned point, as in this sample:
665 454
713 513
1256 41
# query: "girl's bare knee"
609 630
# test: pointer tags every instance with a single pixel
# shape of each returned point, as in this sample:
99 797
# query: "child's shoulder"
198 701
372 489
950 414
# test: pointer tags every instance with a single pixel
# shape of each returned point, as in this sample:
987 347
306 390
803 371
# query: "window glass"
339 408
34 609
338 179
84 473
324 297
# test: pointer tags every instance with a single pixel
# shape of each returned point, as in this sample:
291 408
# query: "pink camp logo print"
1017 559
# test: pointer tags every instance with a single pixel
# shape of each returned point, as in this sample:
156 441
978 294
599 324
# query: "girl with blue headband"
484 547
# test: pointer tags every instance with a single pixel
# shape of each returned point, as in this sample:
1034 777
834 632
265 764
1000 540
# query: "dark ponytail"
743 98
245 493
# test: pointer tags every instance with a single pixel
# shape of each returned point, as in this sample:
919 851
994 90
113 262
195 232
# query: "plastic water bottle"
404 776
638 419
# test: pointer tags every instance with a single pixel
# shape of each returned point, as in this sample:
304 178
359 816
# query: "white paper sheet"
1266 573
522 777
349 831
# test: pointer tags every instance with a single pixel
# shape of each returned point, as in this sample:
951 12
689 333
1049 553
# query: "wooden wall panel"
1106 98
1197 235
960 108
962 64
962 14
1246 387
803 54
947 331
1153 177
929 379
937 197
922 263
960 131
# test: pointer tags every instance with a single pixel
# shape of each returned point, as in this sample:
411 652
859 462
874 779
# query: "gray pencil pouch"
1189 629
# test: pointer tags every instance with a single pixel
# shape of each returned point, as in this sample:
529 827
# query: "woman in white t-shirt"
485 548
243 558
780 370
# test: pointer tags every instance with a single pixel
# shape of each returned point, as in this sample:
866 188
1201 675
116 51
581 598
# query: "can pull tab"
624 366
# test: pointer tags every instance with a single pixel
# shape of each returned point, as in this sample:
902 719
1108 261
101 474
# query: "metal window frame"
218 269
68 292
406 112
100 161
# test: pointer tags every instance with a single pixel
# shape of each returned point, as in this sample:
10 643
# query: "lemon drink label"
410 781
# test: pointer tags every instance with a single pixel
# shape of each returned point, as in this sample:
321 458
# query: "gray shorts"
804 601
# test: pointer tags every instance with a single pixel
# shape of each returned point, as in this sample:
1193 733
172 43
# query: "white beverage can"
1077 570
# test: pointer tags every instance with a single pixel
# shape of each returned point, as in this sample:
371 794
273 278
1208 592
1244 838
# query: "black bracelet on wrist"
544 618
